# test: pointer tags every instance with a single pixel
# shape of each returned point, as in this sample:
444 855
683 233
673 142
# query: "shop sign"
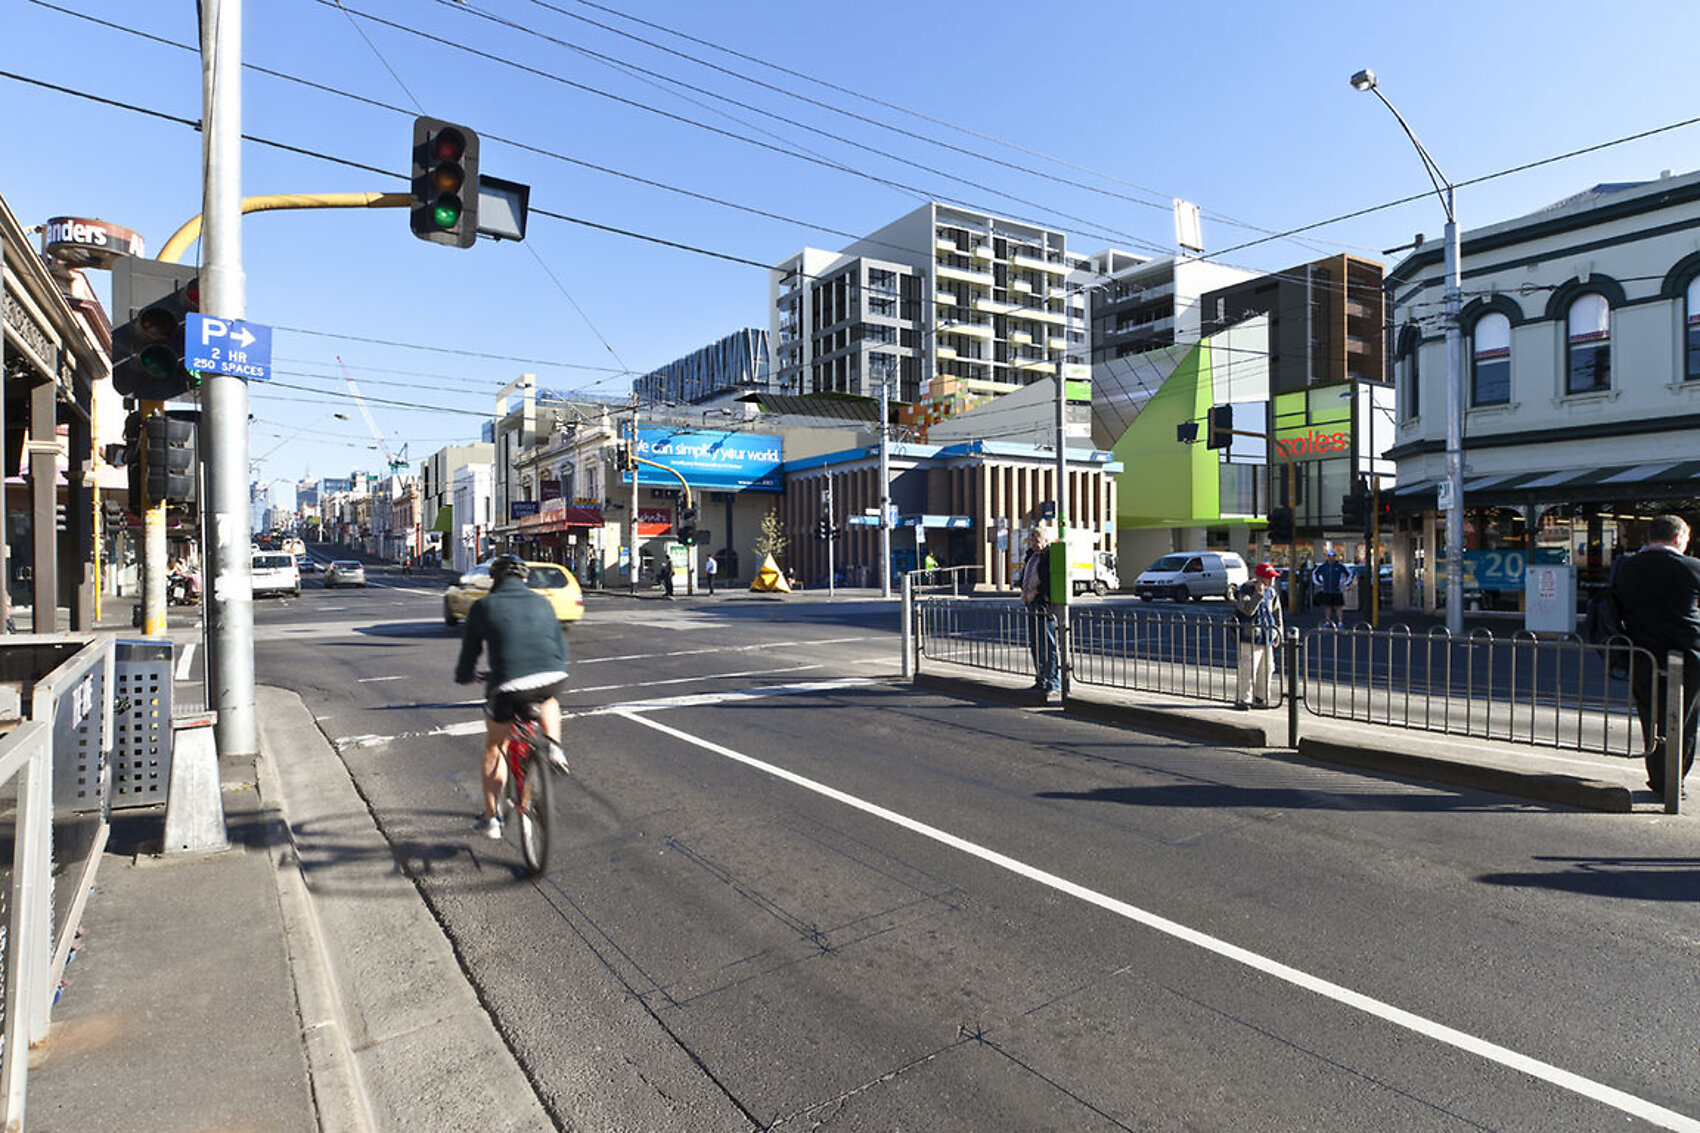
81 243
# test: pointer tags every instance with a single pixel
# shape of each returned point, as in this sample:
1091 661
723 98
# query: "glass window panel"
1590 345
1490 379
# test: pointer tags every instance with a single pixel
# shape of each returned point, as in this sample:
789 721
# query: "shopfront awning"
1629 482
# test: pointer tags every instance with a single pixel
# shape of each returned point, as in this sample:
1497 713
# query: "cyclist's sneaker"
490 826
557 757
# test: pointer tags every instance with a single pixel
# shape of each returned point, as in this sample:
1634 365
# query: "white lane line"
696 679
1439 1032
375 680
727 649
185 663
696 700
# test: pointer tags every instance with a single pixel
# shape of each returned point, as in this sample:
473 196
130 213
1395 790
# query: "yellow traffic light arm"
665 468
190 232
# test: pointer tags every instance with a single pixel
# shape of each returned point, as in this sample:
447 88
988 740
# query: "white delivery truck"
1088 567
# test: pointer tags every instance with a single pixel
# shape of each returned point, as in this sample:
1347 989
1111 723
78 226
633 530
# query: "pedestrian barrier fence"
55 784
1542 691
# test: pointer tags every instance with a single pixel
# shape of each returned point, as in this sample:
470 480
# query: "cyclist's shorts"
506 699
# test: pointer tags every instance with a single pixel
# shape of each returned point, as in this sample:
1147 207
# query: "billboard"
718 461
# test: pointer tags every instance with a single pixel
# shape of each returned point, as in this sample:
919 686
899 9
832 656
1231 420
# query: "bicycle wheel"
534 809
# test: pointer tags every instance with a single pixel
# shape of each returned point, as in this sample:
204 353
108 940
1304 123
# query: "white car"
275 572
1194 575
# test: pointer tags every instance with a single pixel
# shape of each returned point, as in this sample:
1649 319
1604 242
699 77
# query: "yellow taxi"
549 579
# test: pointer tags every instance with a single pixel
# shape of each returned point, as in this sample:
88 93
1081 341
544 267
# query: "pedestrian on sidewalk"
1658 592
1329 583
1041 627
1258 626
710 568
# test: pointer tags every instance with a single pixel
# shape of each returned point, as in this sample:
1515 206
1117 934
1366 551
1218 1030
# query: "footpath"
298 980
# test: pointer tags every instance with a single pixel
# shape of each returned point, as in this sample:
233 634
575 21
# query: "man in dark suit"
1658 590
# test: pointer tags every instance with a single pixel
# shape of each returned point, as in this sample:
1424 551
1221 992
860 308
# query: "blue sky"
1248 113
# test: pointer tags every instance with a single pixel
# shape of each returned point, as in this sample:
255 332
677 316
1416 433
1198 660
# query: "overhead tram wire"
1211 214
1326 286
790 153
629 233
626 65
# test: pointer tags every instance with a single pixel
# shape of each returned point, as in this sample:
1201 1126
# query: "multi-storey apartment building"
953 307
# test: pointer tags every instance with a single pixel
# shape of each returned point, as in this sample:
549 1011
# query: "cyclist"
527 665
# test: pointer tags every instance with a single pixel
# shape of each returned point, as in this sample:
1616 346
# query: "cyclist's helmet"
508 566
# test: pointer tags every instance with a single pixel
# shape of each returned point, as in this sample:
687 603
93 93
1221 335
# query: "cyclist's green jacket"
520 629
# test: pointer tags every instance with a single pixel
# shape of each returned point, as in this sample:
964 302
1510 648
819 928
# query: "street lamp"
1453 502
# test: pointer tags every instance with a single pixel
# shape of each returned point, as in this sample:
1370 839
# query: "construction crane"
395 461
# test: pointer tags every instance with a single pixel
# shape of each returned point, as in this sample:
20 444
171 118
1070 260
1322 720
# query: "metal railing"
1544 692
54 796
1547 692
1159 651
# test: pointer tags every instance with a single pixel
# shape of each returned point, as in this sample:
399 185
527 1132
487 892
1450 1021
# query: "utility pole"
885 484
826 502
224 398
632 542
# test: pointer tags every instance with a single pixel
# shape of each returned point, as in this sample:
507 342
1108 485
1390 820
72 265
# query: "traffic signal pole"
229 586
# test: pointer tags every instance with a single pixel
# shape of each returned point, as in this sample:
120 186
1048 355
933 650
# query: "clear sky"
1096 114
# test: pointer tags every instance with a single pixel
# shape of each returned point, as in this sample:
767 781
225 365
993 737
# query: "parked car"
274 573
1194 575
548 579
345 573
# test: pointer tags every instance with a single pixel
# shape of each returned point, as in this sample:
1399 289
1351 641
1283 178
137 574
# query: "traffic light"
1354 511
823 528
1219 427
1281 525
1384 513
444 209
687 527
1186 432
170 458
152 300
623 456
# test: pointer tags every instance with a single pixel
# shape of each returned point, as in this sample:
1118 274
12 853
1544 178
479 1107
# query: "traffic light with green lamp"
687 532
444 209
153 300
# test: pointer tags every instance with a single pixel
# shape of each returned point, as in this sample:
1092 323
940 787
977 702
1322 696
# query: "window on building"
1490 360
1589 366
1691 331
1408 372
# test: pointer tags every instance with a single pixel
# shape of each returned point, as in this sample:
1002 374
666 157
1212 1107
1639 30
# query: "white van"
1192 574
275 572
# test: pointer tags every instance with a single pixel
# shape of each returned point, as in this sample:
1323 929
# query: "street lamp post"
1454 503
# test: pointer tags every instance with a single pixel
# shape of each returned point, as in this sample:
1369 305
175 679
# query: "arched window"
1589 367
1490 360
1408 374
1691 330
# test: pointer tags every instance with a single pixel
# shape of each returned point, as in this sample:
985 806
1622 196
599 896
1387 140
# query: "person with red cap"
1258 623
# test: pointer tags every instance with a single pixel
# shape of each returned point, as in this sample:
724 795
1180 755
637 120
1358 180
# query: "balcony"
945 298
1021 285
1020 338
1032 263
1054 344
947 246
982 252
993 307
945 353
966 327
1029 365
964 275
1055 318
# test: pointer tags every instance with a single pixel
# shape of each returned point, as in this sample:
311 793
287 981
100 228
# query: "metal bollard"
1291 687
1676 718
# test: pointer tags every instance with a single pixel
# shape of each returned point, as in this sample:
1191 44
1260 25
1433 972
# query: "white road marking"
1399 1017
726 649
696 700
185 663
375 680
692 680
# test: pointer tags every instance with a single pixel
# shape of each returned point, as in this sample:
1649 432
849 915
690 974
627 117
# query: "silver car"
345 573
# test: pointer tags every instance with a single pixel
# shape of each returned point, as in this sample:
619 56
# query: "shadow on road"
1638 879
1218 795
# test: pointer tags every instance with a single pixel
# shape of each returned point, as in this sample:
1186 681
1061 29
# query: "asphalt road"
791 892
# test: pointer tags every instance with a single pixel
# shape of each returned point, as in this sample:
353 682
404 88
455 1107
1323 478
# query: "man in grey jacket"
527 658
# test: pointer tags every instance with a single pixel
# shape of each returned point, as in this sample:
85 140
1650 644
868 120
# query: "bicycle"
529 791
